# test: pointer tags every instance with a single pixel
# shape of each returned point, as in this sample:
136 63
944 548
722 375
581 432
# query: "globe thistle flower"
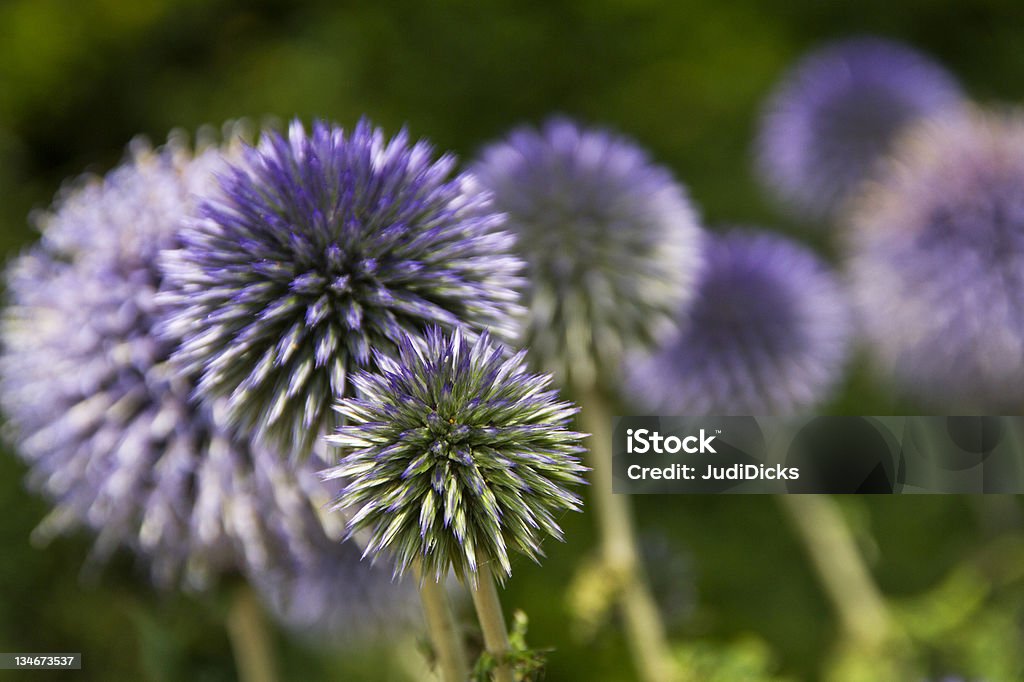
610 239
319 248
936 256
454 454
768 334
108 426
103 421
836 113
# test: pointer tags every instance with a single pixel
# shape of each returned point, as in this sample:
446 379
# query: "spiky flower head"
610 239
767 334
103 420
319 248
936 262
108 426
835 114
454 454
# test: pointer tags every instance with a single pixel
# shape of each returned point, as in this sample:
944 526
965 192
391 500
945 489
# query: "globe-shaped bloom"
102 419
836 113
107 423
319 248
454 454
610 239
936 262
767 334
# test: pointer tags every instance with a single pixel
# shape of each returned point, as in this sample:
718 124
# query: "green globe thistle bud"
454 453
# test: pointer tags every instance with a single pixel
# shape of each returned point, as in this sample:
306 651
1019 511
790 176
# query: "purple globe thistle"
107 423
836 113
102 419
936 262
319 249
610 239
768 334
454 454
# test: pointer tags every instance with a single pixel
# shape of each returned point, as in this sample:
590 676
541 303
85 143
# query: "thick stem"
410 663
840 567
492 622
444 632
645 631
250 638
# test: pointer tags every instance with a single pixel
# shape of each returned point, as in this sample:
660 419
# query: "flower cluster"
198 328
455 455
319 249
109 426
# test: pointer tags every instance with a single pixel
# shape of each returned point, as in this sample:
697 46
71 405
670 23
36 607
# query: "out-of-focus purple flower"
836 113
100 416
319 249
313 582
768 334
454 454
107 423
611 242
936 262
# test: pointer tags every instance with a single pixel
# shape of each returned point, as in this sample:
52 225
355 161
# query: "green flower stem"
860 606
442 627
250 638
410 663
444 632
645 631
492 622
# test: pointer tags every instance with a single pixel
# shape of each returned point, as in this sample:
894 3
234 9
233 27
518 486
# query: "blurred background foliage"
80 78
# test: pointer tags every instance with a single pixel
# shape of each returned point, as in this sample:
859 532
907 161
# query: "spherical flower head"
936 250
610 239
319 248
768 334
455 454
836 114
103 420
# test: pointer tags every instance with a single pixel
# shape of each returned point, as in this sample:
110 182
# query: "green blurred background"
80 78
